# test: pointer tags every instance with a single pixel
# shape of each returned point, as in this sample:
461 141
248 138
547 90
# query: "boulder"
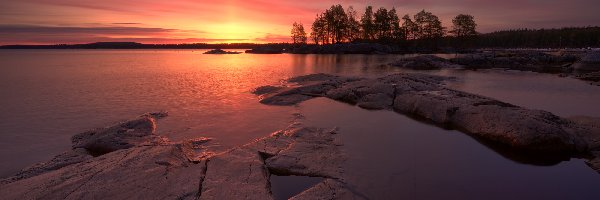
124 135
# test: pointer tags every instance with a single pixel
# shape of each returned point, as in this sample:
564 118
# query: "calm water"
49 95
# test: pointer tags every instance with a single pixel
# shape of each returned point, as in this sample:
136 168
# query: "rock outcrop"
424 97
127 160
590 62
518 60
151 167
295 151
424 62
221 51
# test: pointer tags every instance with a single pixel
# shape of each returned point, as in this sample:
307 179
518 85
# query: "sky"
256 21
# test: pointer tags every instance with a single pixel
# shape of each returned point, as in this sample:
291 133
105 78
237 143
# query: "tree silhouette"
382 24
336 23
397 34
353 27
410 28
319 30
429 25
368 24
463 25
298 33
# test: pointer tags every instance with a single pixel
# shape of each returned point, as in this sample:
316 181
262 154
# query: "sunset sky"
261 21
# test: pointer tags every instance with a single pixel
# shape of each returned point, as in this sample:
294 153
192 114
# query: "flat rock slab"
147 172
191 169
296 151
236 174
425 97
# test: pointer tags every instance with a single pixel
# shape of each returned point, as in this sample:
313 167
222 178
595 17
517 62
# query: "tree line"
571 37
339 25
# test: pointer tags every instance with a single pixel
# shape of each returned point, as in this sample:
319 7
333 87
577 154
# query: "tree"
298 33
367 24
353 27
463 25
396 31
429 25
382 24
336 23
410 28
319 29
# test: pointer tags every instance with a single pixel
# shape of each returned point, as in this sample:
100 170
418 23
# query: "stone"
128 134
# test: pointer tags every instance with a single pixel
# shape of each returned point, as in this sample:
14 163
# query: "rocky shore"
345 48
585 66
424 97
130 161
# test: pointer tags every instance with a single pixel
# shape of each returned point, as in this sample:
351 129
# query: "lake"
50 95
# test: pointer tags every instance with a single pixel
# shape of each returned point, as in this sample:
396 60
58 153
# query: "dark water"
284 187
49 95
391 156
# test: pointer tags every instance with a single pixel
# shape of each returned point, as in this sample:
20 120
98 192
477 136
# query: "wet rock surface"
425 97
191 169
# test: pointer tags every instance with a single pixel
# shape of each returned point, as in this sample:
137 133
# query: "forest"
425 30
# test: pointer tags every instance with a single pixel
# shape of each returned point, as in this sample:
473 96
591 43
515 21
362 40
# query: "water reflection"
394 157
